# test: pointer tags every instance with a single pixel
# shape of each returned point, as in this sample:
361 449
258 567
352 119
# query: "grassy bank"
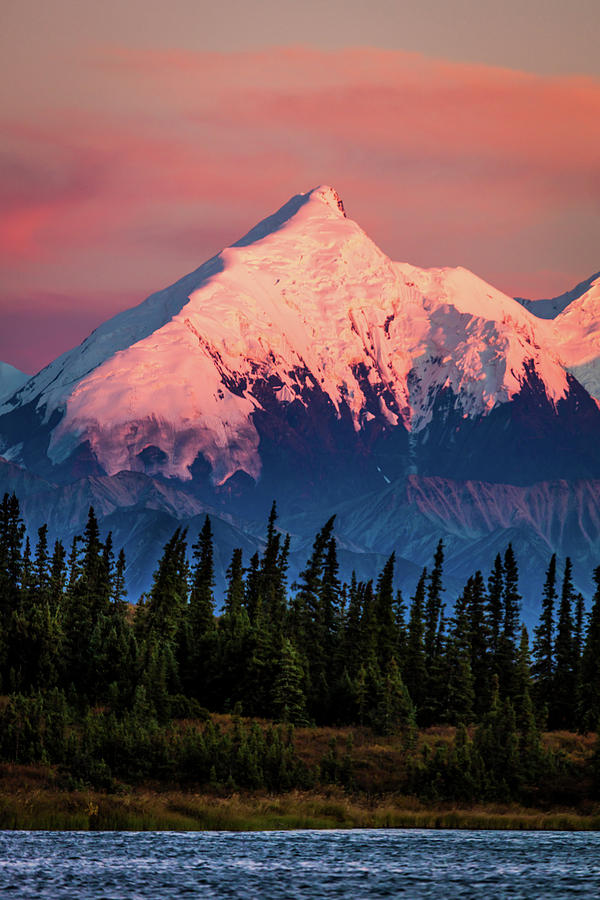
176 811
42 797
39 798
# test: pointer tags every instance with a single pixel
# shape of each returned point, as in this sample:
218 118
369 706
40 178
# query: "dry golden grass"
46 809
37 797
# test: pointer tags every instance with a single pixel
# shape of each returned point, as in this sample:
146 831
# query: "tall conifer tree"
387 634
563 701
460 692
202 602
507 651
479 642
415 670
495 610
433 604
589 705
543 644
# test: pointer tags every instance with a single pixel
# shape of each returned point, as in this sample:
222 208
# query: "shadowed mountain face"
552 307
408 516
302 364
11 380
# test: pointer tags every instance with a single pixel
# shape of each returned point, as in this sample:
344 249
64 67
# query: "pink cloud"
440 163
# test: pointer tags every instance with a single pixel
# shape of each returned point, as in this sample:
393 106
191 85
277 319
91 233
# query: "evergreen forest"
109 692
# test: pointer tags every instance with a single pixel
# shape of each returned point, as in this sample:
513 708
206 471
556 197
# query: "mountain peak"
330 196
304 312
293 211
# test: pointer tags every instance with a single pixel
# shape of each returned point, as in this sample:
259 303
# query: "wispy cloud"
176 153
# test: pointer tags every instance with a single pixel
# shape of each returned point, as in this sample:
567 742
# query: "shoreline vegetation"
178 811
46 798
324 704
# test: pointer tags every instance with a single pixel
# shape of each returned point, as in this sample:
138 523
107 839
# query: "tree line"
320 651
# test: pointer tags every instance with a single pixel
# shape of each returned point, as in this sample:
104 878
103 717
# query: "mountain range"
303 364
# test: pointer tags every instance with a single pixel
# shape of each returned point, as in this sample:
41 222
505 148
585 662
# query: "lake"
298 864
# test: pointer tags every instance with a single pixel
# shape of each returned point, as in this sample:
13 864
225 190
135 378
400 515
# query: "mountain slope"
578 337
303 320
303 364
474 519
552 307
11 380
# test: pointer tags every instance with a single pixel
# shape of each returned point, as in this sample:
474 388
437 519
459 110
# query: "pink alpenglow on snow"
153 159
578 338
306 298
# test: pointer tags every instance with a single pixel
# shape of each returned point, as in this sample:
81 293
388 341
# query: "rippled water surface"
297 864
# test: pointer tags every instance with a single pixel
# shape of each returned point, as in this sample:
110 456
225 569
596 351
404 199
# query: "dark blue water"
298 864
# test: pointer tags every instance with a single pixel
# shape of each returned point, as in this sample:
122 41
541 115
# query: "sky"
139 137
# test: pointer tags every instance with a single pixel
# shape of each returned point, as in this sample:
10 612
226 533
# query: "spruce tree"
351 639
578 644
199 651
234 638
288 698
330 597
589 705
107 574
309 625
252 598
507 650
41 574
272 575
522 701
234 595
495 611
543 645
387 632
415 671
202 601
161 617
58 577
119 590
282 574
86 601
74 562
306 606
368 625
400 625
478 642
433 604
562 712
497 742
433 707
394 712
92 565
12 532
26 586
460 692
530 749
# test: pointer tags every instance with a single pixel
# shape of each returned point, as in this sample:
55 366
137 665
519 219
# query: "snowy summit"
304 305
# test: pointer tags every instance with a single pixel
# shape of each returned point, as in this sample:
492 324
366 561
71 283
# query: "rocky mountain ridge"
301 363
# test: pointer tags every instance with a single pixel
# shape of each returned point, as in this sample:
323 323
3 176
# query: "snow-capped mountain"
303 364
11 380
577 337
303 313
552 307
